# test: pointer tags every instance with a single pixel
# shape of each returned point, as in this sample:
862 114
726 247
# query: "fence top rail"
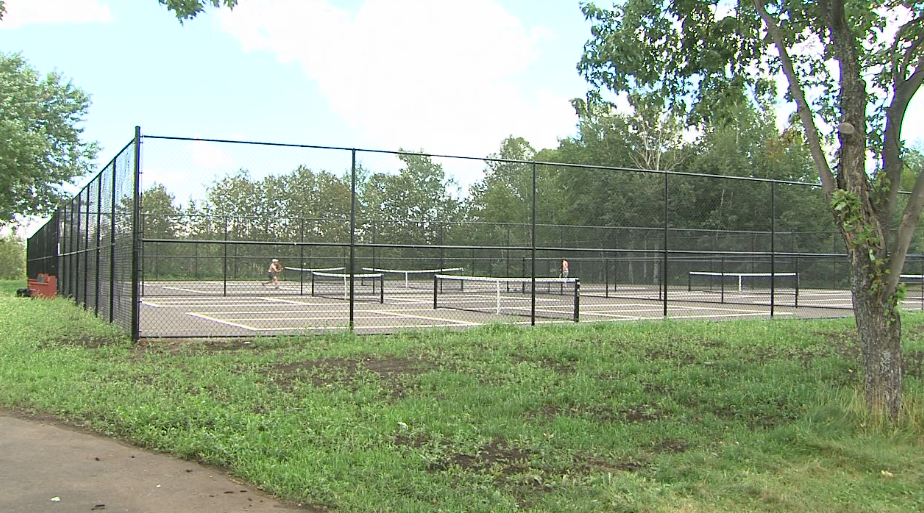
485 159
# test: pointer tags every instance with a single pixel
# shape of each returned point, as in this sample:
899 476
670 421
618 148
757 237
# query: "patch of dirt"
496 456
595 465
189 345
671 446
673 354
642 413
346 371
632 414
657 389
558 366
845 343
756 420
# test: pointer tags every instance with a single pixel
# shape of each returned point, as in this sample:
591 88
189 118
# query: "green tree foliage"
189 9
862 62
505 193
162 218
12 258
42 147
409 207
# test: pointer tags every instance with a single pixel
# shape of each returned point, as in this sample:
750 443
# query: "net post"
436 279
722 280
577 300
797 283
381 281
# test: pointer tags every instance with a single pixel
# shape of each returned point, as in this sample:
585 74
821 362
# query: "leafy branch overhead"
189 9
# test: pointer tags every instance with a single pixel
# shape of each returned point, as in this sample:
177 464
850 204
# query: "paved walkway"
49 467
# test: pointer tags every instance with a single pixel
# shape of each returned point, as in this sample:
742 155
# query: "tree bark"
880 329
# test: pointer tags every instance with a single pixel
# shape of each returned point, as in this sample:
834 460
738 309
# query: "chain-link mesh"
243 239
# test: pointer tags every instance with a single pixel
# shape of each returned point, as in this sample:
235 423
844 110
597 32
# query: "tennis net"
556 298
366 287
411 279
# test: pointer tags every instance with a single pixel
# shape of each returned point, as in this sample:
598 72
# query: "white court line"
389 299
219 321
645 308
425 317
181 289
375 327
284 301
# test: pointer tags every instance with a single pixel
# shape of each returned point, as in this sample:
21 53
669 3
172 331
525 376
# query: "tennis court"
386 302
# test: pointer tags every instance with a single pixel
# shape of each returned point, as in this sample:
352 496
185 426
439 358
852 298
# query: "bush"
12 258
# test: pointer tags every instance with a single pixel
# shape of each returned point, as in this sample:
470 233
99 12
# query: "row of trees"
421 204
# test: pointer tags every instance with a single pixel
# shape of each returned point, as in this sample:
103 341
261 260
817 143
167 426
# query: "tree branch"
909 53
805 114
891 146
905 232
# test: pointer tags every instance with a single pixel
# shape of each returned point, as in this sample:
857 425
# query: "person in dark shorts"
272 274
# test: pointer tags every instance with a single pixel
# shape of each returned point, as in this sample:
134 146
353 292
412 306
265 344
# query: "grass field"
630 417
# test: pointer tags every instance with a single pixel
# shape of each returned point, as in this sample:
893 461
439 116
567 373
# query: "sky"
447 77
450 77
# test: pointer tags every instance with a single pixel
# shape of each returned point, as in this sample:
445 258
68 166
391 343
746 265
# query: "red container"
44 286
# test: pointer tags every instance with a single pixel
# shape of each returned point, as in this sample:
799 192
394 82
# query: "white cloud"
45 12
443 76
209 156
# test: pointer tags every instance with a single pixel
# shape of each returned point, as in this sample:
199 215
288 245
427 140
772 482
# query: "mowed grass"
628 417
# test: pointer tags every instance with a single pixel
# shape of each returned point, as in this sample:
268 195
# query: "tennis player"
564 269
273 273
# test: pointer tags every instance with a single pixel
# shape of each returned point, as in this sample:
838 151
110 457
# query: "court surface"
218 309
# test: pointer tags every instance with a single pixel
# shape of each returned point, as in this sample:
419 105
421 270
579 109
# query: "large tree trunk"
880 330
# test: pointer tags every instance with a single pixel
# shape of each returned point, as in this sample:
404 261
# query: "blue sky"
453 77
448 77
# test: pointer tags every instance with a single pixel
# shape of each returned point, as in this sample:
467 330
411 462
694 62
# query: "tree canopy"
42 147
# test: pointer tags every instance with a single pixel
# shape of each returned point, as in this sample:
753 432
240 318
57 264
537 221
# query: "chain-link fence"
89 244
222 238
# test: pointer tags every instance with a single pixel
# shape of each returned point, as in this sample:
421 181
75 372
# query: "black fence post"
99 240
224 260
532 272
76 251
301 256
112 241
136 238
664 265
352 235
772 248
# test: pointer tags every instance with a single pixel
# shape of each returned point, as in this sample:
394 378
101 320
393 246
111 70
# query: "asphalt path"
48 466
